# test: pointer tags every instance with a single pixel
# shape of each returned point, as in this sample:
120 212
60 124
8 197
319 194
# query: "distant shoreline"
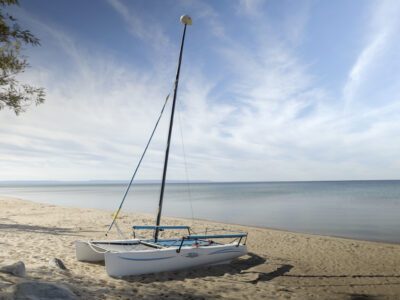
122 182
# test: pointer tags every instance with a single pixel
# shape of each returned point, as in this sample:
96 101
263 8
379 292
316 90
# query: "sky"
269 91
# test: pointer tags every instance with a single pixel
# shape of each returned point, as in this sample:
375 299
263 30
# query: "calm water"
368 210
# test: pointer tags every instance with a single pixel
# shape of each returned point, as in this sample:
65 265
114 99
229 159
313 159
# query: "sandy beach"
280 265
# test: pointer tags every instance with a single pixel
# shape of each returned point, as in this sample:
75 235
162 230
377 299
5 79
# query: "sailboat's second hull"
161 260
93 251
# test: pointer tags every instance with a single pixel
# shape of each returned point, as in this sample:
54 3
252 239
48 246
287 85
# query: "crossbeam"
151 227
215 236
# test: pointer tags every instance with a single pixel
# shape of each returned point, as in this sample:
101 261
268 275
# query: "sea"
364 210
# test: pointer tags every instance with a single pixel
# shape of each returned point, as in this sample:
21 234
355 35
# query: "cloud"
280 125
96 118
147 29
382 32
295 21
248 110
204 14
250 7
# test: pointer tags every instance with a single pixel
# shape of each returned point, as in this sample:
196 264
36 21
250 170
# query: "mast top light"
187 20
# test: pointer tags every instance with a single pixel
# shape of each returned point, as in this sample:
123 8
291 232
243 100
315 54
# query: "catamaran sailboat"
142 256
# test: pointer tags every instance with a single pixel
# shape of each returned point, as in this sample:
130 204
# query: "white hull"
167 259
93 251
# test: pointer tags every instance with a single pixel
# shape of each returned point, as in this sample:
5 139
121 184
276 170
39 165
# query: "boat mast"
186 20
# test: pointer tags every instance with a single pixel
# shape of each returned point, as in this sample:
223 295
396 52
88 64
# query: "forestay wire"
137 167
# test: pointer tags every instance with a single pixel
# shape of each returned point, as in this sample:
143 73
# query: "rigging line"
137 167
185 162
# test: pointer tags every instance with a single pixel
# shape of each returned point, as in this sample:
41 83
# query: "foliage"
14 94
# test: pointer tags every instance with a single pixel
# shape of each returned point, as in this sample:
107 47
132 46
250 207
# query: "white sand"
280 265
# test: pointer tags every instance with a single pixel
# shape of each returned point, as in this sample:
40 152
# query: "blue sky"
270 90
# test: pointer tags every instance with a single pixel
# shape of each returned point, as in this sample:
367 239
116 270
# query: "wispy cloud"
204 14
283 125
146 29
250 107
97 113
250 7
382 31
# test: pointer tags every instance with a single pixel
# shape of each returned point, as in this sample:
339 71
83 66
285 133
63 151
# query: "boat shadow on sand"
12 226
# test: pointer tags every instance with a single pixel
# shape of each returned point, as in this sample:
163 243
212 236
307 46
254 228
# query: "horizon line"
154 181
